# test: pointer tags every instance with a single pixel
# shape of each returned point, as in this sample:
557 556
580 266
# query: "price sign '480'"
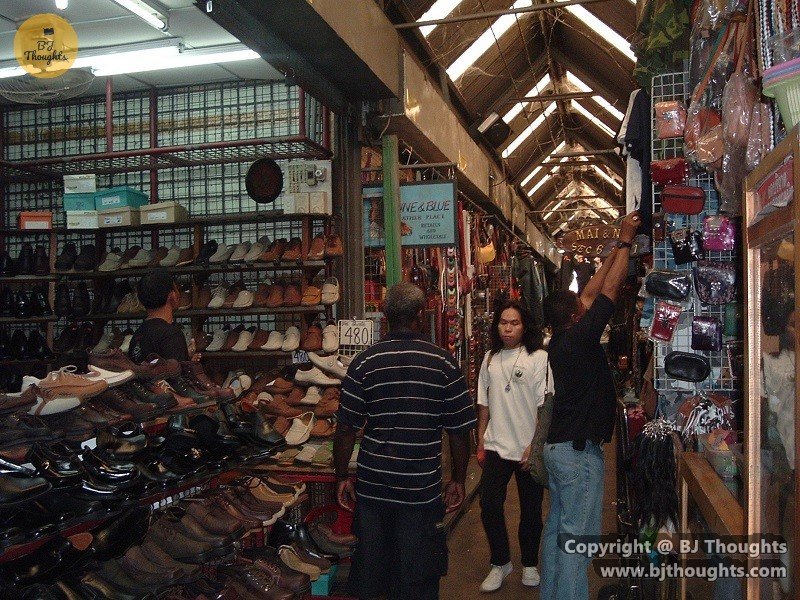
355 332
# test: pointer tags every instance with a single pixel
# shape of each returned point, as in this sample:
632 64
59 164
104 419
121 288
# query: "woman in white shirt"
511 387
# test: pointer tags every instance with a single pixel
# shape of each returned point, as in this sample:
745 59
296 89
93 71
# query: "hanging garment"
637 141
661 41
633 168
524 271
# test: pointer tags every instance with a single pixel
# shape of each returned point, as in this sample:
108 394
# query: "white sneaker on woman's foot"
530 576
495 577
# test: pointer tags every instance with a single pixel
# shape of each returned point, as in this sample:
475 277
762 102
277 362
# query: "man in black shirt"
583 419
158 334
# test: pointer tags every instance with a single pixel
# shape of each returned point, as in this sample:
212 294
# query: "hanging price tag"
356 332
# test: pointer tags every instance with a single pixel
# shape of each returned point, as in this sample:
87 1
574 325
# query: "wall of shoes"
195 460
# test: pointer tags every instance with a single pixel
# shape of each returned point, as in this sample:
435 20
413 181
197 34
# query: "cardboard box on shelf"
118 197
119 217
163 212
84 201
82 219
36 220
85 183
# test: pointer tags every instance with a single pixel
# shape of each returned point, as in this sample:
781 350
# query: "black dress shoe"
113 538
22 305
7 267
41 261
19 341
82 303
56 462
24 264
283 532
6 302
66 340
63 303
87 259
125 440
206 251
36 347
5 352
85 339
115 296
66 260
63 508
15 489
54 559
39 298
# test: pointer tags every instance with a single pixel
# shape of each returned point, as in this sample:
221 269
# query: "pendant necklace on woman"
508 383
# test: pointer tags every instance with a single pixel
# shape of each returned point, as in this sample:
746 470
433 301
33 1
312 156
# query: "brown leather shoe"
287 578
281 425
292 295
203 298
272 384
129 254
119 400
214 519
159 254
293 250
249 581
194 373
295 396
260 296
223 503
9 403
233 293
186 257
259 339
233 337
312 339
162 387
275 296
277 406
65 382
274 251
312 296
317 249
334 246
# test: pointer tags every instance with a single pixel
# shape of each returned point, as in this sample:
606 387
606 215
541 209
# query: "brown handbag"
683 199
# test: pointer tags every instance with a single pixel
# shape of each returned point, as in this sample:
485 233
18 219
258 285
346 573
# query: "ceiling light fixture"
484 42
439 10
62 4
150 12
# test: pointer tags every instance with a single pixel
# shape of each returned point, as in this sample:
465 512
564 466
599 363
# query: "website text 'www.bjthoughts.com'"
708 572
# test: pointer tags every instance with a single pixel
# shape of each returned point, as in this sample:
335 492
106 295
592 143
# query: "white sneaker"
530 576
495 577
240 251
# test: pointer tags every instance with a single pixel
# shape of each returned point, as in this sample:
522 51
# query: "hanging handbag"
715 282
670 119
686 246
486 250
671 171
733 319
719 233
687 366
683 199
665 319
543 417
668 284
706 334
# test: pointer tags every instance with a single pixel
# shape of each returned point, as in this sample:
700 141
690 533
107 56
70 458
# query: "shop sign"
427 214
589 240
777 188
46 46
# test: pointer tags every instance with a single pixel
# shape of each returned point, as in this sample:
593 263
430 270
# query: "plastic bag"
738 100
700 121
759 140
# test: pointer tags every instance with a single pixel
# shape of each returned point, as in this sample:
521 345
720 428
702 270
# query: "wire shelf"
674 86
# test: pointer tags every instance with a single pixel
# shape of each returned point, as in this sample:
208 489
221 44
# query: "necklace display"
513 367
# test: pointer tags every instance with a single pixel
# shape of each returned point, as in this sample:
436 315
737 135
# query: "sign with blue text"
427 214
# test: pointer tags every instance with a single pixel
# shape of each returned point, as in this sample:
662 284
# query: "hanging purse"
719 233
683 199
687 366
665 319
543 417
668 284
706 334
669 171
670 119
715 282
486 250
733 319
686 246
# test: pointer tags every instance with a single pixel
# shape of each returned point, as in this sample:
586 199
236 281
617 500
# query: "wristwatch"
621 244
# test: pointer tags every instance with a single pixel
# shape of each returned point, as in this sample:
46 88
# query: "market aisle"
469 552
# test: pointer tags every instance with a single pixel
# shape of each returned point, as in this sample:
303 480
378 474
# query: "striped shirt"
403 390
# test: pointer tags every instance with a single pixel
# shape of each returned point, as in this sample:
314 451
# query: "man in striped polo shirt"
403 391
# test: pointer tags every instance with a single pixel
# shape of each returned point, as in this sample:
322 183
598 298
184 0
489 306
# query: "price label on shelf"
299 356
355 332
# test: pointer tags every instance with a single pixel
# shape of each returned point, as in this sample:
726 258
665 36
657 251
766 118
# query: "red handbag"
682 199
670 171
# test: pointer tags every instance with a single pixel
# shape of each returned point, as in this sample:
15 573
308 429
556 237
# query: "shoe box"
36 220
82 219
119 217
163 212
119 197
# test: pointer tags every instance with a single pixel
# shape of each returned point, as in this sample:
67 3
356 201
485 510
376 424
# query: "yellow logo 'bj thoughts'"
46 46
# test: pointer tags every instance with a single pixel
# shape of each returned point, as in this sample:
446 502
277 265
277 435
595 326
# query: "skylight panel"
592 118
484 42
439 10
536 187
578 83
605 32
534 91
607 177
529 130
533 173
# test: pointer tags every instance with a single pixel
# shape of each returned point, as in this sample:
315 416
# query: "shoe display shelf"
310 265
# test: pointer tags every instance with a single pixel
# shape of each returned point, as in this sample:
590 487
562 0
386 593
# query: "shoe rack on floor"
177 146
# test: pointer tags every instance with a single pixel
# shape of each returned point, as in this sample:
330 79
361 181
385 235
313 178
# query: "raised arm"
609 277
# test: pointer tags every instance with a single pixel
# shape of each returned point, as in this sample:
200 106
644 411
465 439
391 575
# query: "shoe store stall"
192 477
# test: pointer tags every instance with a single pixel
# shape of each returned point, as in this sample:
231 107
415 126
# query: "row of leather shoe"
75 336
23 304
71 260
22 346
29 261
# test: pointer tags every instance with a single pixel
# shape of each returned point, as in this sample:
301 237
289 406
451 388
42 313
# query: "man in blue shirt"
403 391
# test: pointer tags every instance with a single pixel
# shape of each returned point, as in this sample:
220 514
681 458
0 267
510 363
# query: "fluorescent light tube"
187 58
154 17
